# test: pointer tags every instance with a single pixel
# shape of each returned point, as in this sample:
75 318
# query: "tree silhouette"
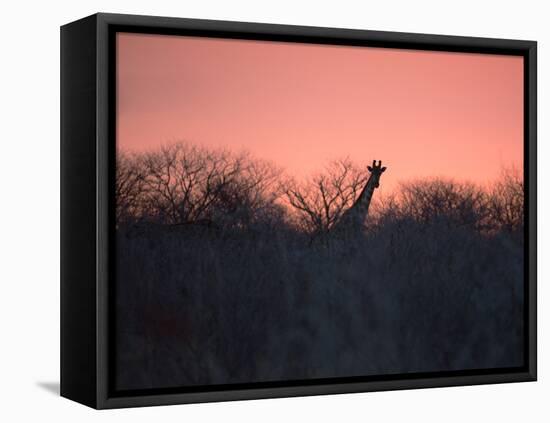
506 201
459 203
185 184
442 260
128 187
319 202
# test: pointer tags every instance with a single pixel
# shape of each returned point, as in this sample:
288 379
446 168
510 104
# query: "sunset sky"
423 114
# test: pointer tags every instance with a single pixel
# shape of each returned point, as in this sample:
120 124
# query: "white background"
29 211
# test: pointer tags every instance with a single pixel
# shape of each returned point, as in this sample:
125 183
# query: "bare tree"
184 184
319 202
181 182
506 201
128 187
251 197
462 203
384 207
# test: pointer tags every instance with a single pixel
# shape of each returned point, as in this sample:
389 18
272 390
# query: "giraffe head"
376 171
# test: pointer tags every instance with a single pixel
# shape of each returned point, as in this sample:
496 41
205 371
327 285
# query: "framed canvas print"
253 210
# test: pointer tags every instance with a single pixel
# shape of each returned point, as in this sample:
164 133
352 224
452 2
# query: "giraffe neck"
361 206
357 213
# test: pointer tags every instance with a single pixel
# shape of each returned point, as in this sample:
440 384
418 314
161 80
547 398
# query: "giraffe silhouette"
353 219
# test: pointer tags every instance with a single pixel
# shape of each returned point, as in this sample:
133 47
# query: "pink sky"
422 113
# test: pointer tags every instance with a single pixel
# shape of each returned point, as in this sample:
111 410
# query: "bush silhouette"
434 283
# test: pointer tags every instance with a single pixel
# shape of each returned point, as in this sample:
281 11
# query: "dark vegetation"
227 272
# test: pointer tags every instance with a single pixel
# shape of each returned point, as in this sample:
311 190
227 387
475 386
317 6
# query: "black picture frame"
87 172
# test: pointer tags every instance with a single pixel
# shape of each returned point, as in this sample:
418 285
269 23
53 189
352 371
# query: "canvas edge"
531 171
78 311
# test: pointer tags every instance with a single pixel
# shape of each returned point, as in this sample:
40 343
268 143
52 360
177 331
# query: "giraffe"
352 219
